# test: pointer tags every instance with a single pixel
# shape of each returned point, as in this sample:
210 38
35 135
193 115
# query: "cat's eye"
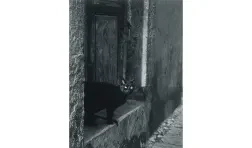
125 86
131 87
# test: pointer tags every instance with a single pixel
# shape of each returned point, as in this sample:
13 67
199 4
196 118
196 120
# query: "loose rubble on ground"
158 136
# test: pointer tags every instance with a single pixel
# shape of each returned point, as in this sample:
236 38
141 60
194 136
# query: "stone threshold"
121 114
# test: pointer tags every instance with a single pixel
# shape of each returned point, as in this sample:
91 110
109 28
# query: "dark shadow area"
89 146
156 115
162 108
157 105
176 96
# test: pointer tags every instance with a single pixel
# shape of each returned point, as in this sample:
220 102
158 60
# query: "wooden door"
105 21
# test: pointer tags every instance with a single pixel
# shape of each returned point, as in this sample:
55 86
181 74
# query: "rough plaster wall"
76 72
169 42
164 59
134 52
151 43
164 56
150 65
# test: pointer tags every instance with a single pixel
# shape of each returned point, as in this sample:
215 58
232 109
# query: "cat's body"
102 95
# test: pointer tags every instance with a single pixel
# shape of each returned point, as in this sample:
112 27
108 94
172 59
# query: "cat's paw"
116 122
112 122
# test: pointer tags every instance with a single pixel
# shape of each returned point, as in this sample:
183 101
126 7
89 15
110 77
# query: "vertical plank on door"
106 48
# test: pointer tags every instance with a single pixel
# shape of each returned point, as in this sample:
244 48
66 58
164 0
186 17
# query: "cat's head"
127 87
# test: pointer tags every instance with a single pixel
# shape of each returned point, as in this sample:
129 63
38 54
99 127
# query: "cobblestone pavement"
170 132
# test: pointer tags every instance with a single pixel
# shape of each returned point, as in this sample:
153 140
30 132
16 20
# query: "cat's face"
127 86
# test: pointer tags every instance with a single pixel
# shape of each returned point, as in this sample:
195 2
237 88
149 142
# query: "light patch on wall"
129 11
144 45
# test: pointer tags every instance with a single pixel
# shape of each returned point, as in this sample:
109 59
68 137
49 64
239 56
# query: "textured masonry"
76 72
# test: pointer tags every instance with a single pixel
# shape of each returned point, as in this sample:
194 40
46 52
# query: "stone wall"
134 50
76 72
164 59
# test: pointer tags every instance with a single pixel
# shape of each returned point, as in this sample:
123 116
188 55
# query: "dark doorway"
104 55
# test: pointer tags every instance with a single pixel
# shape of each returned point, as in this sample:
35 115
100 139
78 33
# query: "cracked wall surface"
77 43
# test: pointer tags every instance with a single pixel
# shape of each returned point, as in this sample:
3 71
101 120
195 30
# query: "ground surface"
170 133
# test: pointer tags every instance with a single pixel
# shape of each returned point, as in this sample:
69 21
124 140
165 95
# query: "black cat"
102 95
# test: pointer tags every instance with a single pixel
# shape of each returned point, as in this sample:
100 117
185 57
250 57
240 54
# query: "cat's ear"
122 81
132 81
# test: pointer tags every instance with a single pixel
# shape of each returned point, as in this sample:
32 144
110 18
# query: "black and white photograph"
126 73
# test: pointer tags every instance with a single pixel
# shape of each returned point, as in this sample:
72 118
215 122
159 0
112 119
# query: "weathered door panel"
106 48
105 56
